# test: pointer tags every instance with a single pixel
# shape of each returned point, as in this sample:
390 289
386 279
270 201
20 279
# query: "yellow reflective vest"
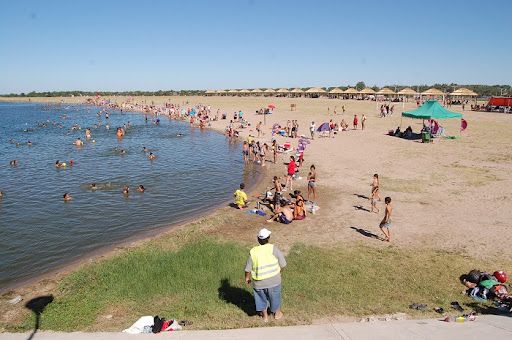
264 264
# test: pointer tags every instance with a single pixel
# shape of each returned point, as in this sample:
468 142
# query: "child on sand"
374 195
312 182
385 224
240 197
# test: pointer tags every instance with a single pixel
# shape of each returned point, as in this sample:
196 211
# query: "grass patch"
203 281
474 176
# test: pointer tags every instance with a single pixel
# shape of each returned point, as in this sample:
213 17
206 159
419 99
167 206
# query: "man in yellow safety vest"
263 269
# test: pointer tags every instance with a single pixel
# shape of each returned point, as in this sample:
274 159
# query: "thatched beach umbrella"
367 90
432 92
350 90
407 92
269 92
256 92
233 92
316 91
464 92
386 92
282 92
221 92
244 92
209 92
297 92
335 92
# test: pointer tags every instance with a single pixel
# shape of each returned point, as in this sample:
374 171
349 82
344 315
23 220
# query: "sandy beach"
449 196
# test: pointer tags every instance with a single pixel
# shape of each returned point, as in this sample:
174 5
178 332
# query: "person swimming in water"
13 163
93 186
66 197
144 149
29 143
78 142
126 190
151 156
141 188
59 164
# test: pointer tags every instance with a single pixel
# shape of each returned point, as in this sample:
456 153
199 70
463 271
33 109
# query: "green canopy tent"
431 109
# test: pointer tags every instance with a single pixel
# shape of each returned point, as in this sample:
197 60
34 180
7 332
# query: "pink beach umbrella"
271 106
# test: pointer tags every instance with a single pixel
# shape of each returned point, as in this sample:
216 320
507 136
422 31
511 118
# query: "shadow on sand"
360 207
237 296
367 233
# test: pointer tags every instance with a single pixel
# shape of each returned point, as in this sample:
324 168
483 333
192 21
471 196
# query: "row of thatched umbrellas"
462 92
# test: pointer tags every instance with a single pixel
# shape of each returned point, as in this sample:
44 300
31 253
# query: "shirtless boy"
374 195
385 224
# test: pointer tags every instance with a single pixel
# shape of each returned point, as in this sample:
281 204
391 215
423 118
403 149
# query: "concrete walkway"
485 327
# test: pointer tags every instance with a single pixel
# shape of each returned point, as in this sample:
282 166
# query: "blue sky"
151 45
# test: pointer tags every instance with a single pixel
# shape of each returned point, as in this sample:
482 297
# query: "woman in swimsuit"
312 182
374 195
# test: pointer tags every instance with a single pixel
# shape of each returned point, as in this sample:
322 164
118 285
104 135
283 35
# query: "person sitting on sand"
141 188
240 197
299 212
126 190
151 156
283 213
66 197
78 142
343 125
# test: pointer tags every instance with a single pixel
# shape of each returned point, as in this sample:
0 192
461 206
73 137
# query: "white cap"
264 233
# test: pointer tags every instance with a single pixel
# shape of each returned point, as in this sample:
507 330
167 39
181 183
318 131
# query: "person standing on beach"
312 182
258 129
374 195
263 270
363 121
290 173
274 150
312 128
245 151
385 224
355 123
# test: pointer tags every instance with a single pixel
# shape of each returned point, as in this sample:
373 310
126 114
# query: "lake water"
39 231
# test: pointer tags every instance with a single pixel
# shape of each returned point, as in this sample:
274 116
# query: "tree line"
482 90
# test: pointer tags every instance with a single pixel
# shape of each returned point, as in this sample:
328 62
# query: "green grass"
202 282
